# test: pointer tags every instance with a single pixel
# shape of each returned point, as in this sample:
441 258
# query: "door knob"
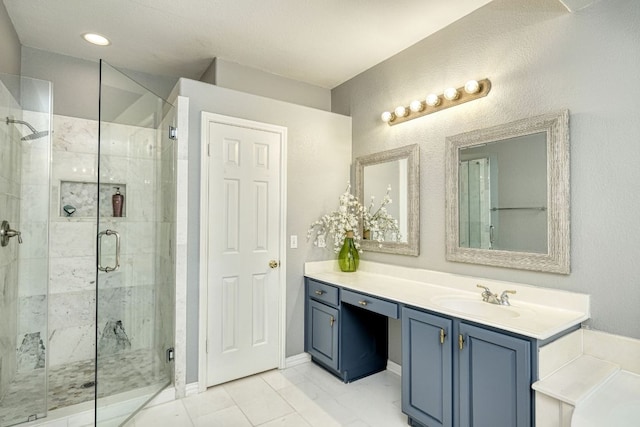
273 263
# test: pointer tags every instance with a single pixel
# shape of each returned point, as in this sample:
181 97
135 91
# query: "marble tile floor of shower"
300 396
72 383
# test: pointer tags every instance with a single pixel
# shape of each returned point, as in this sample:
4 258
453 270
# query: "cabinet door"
426 368
495 376
322 330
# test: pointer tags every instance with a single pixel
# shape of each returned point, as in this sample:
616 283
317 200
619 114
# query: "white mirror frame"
412 154
556 260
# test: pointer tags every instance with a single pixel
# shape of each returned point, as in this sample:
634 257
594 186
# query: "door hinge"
173 132
170 354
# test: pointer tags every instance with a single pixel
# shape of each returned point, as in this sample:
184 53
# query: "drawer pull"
363 303
443 334
332 320
320 292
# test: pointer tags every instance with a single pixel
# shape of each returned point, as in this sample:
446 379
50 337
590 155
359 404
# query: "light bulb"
416 106
387 117
451 93
433 100
472 86
400 111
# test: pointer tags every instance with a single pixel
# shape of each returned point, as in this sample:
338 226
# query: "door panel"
324 333
427 368
243 236
494 379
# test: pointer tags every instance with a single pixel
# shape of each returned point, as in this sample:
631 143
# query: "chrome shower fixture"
34 133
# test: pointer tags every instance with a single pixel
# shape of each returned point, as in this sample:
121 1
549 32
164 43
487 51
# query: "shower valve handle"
6 233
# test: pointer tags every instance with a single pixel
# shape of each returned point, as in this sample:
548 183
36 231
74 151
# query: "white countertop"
576 380
534 312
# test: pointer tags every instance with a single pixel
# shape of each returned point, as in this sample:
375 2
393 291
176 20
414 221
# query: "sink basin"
477 307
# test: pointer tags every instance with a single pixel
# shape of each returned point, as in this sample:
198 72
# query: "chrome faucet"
491 298
504 298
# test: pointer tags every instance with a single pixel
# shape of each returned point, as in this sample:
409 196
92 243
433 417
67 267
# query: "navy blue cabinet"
346 331
495 378
323 339
456 374
427 379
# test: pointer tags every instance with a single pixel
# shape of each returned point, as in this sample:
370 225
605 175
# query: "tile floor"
301 396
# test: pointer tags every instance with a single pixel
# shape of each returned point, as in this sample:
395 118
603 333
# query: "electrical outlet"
294 241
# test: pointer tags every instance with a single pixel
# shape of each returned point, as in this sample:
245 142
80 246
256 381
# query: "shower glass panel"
476 226
136 224
25 153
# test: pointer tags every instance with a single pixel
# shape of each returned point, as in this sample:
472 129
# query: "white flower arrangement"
338 223
352 217
380 224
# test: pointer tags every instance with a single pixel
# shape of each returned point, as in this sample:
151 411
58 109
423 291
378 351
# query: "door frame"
207 118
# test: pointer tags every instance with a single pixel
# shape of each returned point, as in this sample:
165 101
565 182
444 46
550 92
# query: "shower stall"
87 292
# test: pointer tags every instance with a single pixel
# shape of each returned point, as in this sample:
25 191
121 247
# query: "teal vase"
348 258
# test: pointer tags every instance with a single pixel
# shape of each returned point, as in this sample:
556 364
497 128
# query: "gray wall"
540 58
318 159
246 79
9 45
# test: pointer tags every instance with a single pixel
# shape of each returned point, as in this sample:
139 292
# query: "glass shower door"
25 154
135 262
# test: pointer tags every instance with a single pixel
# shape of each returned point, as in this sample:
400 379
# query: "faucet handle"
486 294
504 298
483 287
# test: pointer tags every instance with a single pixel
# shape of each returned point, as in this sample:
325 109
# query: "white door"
243 249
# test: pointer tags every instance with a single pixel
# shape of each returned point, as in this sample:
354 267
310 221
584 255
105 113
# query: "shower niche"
81 200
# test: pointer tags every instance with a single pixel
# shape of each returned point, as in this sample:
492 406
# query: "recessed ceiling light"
96 39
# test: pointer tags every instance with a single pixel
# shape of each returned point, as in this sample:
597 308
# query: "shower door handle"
108 269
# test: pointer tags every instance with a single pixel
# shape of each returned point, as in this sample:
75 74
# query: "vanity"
464 361
469 355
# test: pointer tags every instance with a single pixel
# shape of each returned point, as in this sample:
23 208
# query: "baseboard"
394 367
298 359
191 389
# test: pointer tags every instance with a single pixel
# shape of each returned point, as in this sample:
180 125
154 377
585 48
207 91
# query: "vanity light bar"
451 97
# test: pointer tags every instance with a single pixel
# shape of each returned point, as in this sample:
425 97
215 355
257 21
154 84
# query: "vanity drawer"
323 292
377 305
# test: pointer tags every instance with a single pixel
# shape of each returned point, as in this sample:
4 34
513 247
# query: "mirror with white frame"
394 173
507 195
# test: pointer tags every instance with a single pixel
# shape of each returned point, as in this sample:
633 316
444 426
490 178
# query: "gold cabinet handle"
319 292
443 334
332 320
460 341
363 303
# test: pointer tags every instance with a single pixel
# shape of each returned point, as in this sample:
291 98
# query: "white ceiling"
321 42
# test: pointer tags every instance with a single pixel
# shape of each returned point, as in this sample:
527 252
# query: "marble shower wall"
10 153
129 156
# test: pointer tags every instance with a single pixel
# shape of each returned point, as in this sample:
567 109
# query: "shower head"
34 133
